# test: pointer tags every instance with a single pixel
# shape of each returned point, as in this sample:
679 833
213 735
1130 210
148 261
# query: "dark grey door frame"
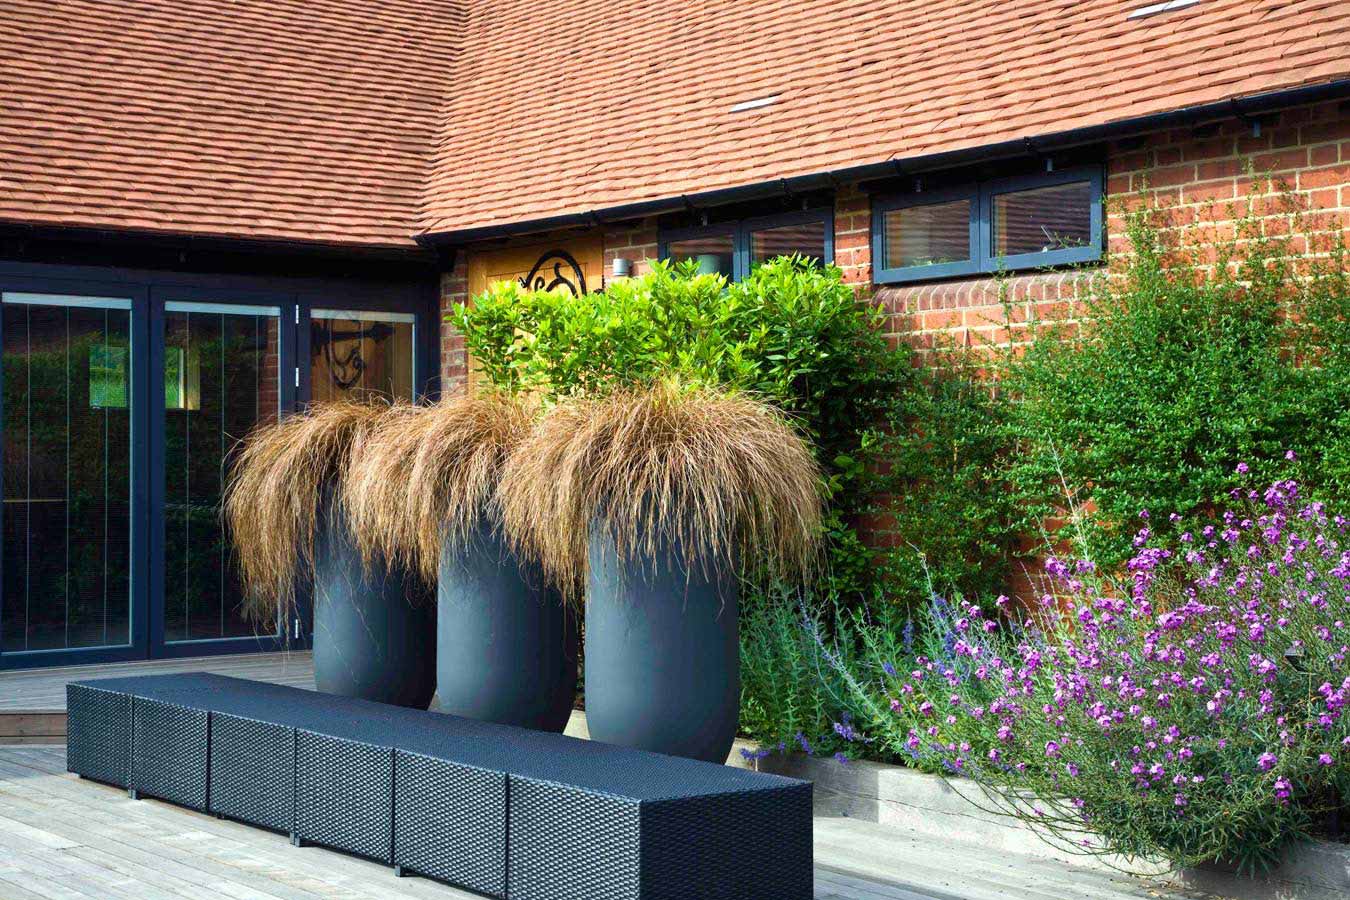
149 290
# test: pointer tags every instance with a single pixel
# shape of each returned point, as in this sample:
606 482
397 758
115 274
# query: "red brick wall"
853 235
454 361
1203 174
1199 170
1306 149
636 243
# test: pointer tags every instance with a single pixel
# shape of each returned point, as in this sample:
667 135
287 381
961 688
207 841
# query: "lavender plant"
1190 708
792 699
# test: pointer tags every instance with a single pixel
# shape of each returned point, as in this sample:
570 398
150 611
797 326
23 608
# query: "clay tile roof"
366 122
303 120
578 105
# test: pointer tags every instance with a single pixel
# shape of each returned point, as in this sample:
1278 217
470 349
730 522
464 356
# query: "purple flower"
1051 748
1266 761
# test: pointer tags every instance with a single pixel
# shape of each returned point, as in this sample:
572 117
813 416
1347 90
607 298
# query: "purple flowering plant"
792 699
1190 707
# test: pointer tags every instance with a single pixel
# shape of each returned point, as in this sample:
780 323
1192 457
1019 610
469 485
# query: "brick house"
259 204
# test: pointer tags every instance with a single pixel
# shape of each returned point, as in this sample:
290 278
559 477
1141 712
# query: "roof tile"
307 120
370 121
624 101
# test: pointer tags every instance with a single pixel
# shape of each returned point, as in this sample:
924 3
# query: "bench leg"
398 872
133 793
295 840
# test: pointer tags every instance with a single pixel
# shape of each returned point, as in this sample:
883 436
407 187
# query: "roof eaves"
1240 107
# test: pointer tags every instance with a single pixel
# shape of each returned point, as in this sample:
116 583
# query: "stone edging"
915 801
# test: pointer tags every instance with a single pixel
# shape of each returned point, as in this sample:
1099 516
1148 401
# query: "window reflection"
928 235
355 353
1058 217
221 379
806 240
67 472
713 254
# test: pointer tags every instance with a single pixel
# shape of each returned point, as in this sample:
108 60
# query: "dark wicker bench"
503 811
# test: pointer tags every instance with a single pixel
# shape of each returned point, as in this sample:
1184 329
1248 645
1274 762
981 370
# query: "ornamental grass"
426 475
274 496
721 476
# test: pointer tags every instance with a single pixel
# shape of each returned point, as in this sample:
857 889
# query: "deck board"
63 837
44 690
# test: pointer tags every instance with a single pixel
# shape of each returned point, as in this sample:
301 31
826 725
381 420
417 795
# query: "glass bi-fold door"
361 353
69 422
121 411
223 368
230 368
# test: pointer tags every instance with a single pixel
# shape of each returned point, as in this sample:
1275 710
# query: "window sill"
905 278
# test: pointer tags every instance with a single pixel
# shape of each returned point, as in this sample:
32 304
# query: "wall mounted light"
621 268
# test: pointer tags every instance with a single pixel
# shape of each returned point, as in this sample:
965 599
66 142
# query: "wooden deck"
62 837
33 701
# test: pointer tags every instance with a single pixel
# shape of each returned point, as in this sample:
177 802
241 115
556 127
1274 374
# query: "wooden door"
577 264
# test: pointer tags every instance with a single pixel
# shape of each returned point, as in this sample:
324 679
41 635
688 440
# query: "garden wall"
955 810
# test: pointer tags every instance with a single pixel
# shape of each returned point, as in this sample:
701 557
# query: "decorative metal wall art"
566 273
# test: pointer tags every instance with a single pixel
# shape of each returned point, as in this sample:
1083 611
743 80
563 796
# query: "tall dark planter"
662 654
506 643
374 632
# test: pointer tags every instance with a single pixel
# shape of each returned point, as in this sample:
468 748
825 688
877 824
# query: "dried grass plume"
721 475
427 474
273 495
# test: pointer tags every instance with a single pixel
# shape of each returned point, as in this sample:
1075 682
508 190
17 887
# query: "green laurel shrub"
1191 357
792 332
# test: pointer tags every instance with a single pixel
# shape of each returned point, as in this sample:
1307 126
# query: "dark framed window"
734 248
1022 222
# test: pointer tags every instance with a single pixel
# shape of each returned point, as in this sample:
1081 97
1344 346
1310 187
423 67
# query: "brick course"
454 359
1204 174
